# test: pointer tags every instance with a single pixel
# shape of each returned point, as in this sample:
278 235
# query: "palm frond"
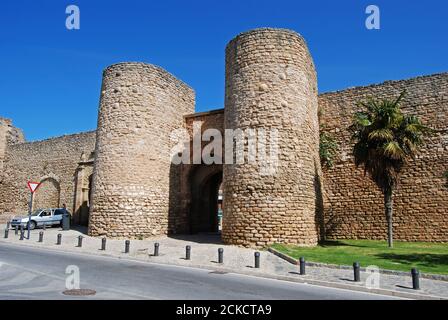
381 134
362 119
394 151
384 137
400 97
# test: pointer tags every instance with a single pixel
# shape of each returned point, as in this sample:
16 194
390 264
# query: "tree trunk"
388 204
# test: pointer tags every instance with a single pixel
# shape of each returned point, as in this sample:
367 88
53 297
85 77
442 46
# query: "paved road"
32 273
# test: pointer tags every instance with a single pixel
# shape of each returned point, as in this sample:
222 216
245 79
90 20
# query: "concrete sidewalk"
204 254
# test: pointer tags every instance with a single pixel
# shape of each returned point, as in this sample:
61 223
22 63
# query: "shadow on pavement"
211 238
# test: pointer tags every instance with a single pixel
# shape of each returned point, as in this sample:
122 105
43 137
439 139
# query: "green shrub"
327 149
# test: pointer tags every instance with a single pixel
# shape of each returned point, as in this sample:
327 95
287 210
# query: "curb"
213 268
290 259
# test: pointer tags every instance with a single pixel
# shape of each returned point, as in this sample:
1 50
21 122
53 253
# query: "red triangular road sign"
33 186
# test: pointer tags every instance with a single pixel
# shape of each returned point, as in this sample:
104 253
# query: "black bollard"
6 233
302 266
257 259
8 225
22 234
16 228
220 255
187 253
356 273
41 236
80 241
59 241
156 249
415 279
127 244
103 244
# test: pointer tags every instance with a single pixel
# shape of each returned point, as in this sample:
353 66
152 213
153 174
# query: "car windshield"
36 212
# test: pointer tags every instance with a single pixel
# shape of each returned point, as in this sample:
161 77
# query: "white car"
41 217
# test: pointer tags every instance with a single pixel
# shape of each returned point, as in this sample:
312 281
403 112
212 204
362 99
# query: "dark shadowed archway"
85 207
204 182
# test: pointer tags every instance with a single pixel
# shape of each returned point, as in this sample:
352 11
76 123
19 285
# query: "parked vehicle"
41 217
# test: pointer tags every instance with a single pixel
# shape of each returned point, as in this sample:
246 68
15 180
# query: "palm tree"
385 139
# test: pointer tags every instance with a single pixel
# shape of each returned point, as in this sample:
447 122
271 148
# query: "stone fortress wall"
124 167
354 206
9 135
54 162
271 84
140 106
188 201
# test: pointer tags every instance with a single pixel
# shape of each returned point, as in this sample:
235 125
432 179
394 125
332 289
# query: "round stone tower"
140 106
271 87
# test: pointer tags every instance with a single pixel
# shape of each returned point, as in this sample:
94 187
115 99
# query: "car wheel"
32 225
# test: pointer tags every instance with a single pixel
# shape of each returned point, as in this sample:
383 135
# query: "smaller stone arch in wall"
83 190
48 195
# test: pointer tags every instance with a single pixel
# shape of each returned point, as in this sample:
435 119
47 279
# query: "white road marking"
49 287
19 279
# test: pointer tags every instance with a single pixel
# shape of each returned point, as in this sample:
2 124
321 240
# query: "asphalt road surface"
33 273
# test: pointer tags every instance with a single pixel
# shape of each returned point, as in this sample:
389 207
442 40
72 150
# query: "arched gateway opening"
205 199
48 194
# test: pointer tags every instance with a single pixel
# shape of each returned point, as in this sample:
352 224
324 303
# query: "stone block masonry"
353 204
140 106
121 181
271 84
52 162
186 209
9 135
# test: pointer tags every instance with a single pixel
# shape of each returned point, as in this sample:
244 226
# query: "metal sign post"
33 187
30 207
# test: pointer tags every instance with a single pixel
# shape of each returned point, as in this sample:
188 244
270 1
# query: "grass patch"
427 257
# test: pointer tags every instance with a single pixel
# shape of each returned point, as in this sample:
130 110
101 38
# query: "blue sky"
51 76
